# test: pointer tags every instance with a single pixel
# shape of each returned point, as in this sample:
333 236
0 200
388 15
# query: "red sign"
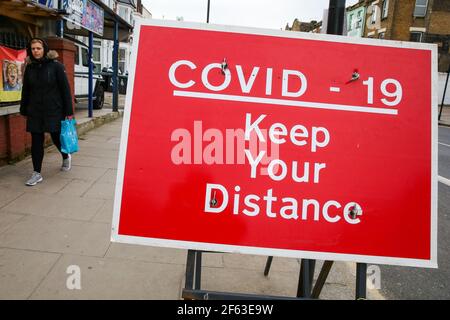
279 143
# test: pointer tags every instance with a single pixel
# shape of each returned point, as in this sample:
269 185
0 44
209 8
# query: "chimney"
139 6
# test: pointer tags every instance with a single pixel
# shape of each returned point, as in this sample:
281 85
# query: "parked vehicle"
122 80
82 78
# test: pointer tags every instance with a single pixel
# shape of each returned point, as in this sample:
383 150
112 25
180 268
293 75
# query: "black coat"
46 98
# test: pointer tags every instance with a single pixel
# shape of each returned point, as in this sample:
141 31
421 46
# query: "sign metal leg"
306 278
198 270
190 265
268 264
320 282
361 285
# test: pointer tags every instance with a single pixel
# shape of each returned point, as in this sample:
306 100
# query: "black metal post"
336 12
361 278
190 267
91 76
445 91
60 23
198 270
115 97
207 13
305 278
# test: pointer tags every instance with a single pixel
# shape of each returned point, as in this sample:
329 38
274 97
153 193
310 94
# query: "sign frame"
116 237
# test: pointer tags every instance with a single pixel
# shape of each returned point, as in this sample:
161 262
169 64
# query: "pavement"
445 116
55 237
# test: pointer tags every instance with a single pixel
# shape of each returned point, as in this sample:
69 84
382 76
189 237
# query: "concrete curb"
86 125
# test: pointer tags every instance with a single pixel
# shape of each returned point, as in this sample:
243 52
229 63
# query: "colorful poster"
84 14
93 18
12 67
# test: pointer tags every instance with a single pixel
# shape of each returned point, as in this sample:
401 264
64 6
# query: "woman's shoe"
35 179
67 163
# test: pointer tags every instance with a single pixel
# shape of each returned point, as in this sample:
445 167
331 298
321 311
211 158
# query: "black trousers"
37 148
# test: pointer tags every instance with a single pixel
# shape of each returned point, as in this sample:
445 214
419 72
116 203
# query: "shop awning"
28 11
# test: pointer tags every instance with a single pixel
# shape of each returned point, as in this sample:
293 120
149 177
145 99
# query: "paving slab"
160 255
99 152
70 207
109 177
75 188
258 263
105 214
106 278
83 173
250 281
58 236
99 190
95 161
7 220
101 142
7 195
22 271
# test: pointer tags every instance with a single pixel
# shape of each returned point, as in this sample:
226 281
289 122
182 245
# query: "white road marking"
444 180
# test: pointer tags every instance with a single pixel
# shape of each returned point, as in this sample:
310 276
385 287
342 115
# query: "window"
84 56
350 22
96 55
122 55
123 13
416 36
359 20
373 19
385 9
77 55
420 9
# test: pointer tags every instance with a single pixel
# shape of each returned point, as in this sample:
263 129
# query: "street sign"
279 143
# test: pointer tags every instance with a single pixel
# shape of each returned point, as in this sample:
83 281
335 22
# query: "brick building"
407 20
303 26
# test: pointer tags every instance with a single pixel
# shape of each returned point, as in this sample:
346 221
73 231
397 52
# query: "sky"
271 14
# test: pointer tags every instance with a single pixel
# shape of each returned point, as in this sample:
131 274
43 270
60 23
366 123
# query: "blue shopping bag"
69 137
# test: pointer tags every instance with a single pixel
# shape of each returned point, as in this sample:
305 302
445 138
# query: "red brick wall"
3 140
17 135
14 140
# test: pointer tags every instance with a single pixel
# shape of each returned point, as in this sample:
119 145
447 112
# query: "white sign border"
116 237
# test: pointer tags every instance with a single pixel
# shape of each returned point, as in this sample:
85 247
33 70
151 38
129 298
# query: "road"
417 283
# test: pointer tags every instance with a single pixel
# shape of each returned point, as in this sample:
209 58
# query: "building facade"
102 51
405 20
303 26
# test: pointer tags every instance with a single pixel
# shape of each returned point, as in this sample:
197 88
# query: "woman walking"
46 101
